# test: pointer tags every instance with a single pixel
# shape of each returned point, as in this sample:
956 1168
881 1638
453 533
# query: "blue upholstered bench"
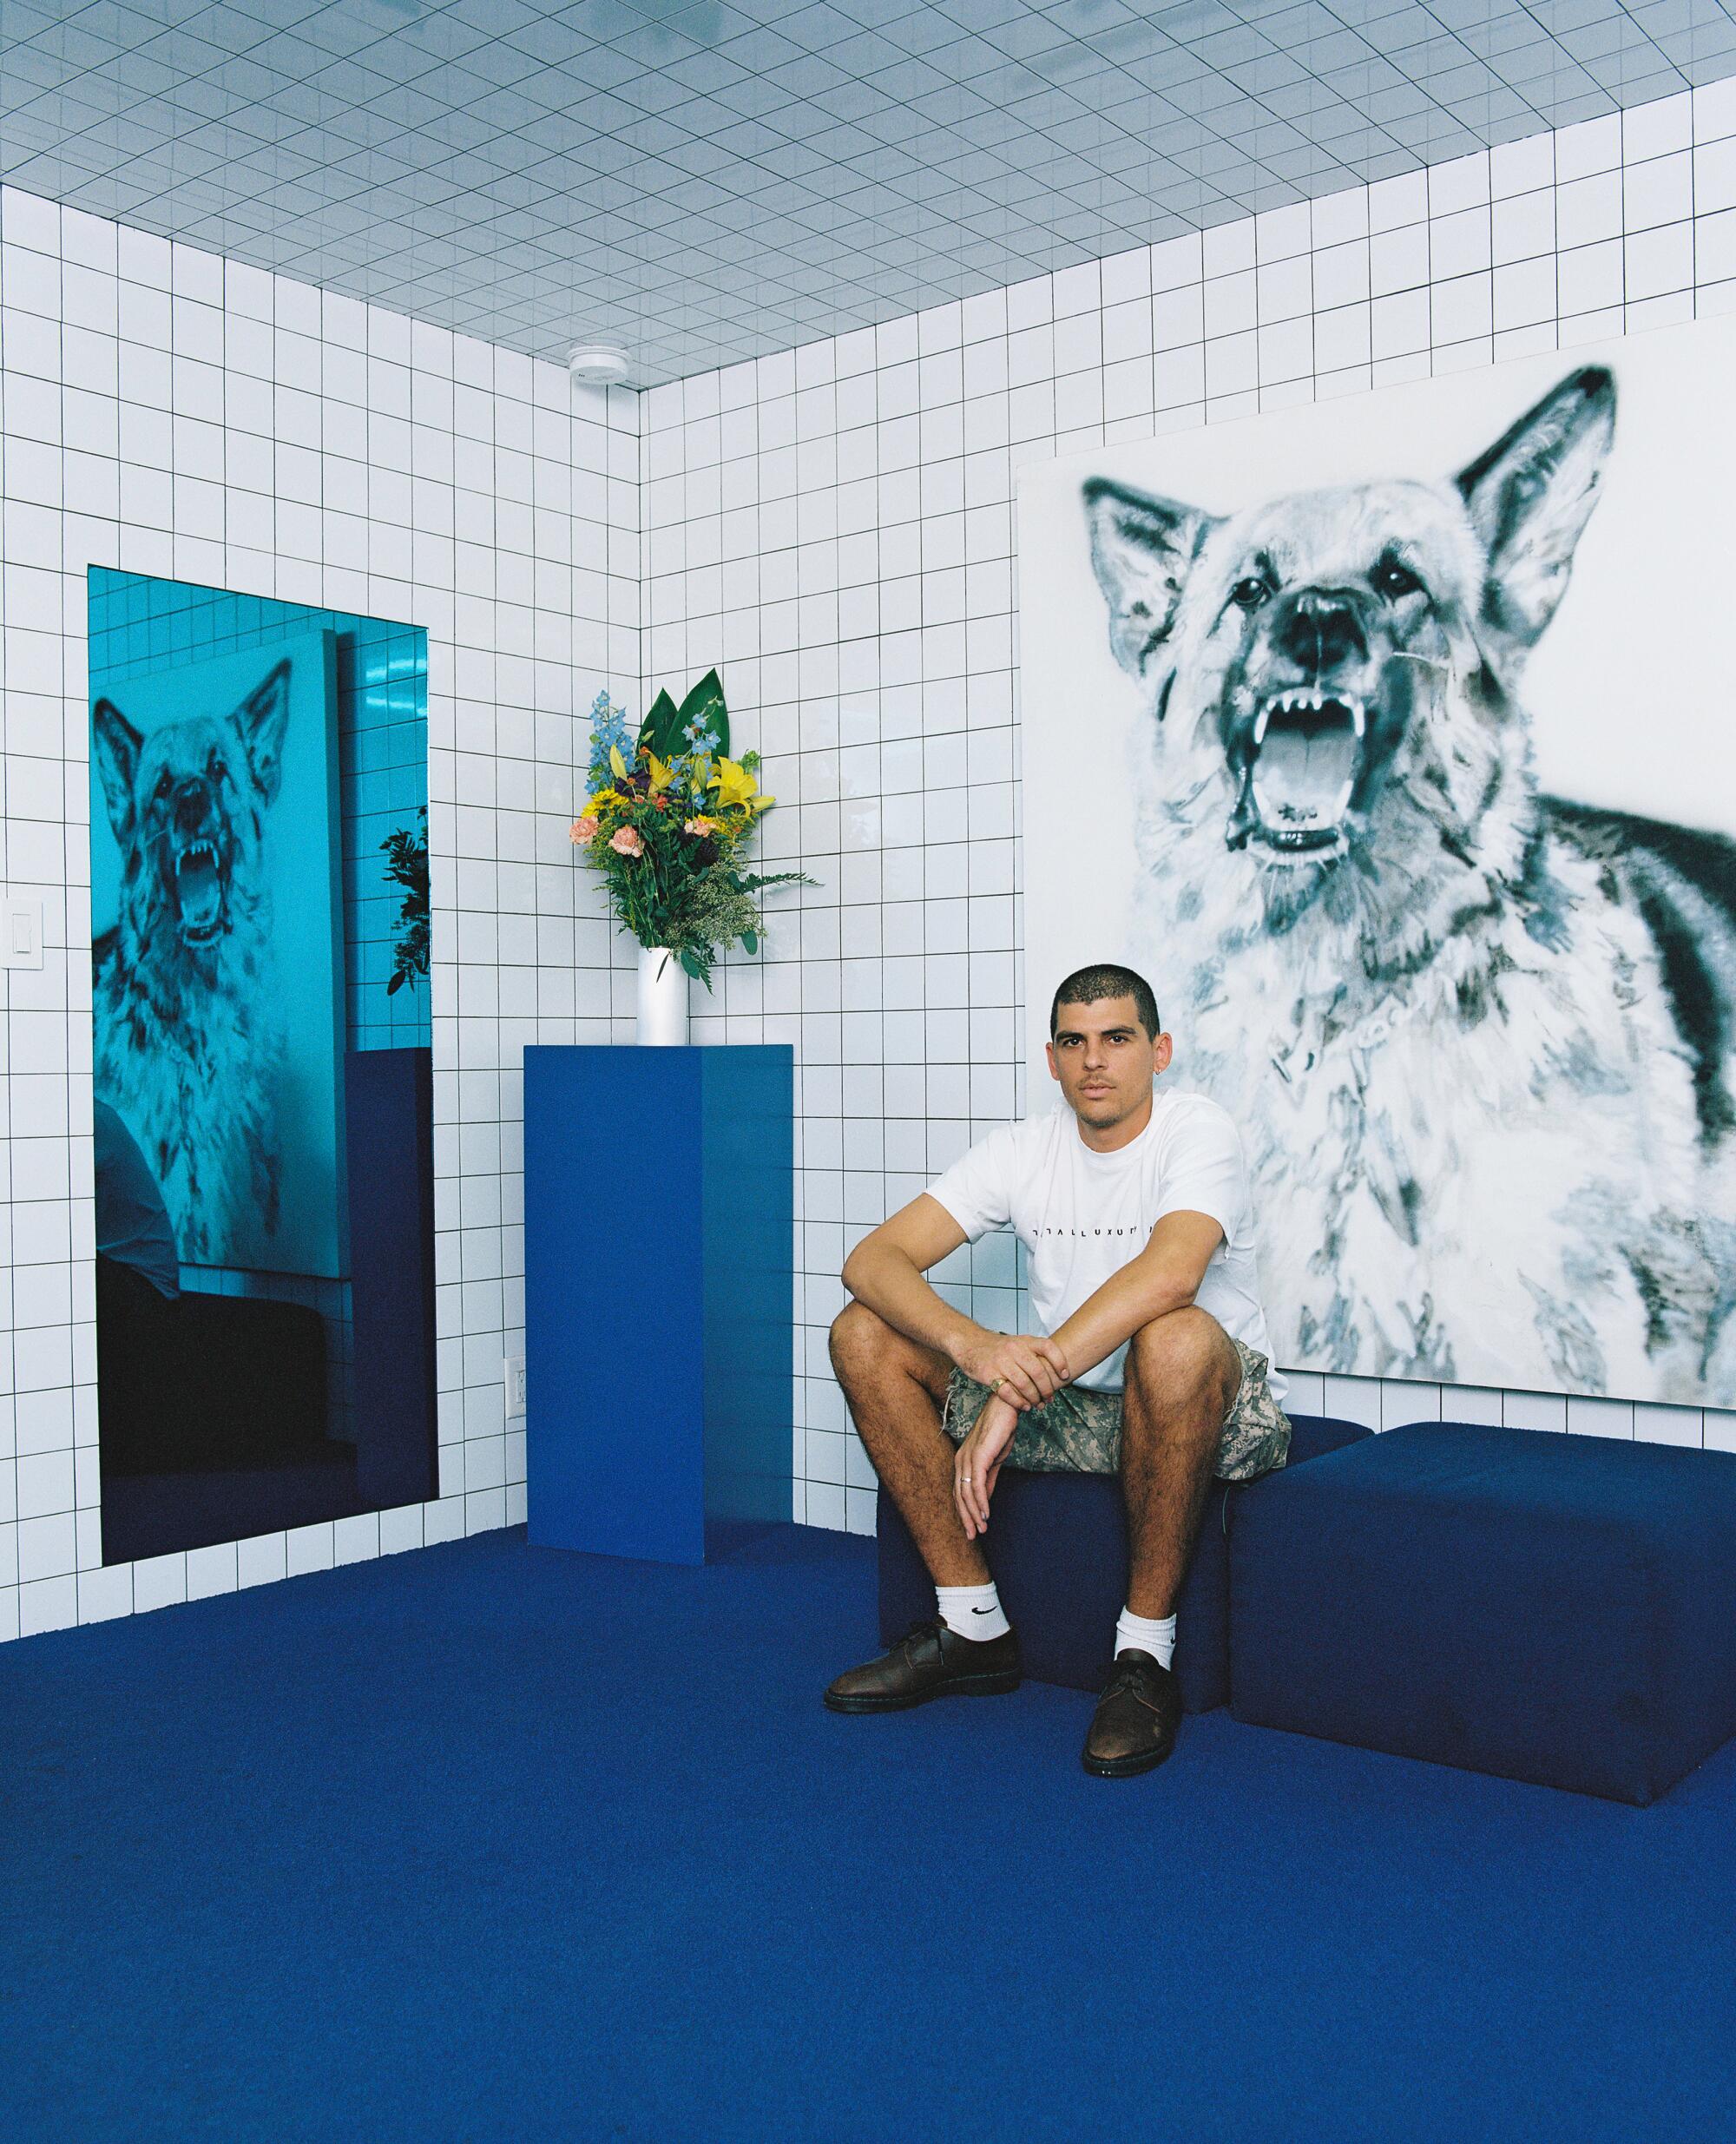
1561 1609
1057 1546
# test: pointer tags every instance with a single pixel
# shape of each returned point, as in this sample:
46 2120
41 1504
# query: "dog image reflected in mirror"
189 1050
1478 1039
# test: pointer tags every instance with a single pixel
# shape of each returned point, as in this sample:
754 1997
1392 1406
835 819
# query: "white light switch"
515 1387
20 931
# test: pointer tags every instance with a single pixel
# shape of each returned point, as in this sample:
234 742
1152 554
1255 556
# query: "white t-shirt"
1083 1215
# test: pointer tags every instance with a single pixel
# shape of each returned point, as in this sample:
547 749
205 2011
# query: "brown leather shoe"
1133 1727
930 1661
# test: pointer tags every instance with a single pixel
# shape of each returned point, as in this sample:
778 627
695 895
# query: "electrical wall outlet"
515 1387
20 930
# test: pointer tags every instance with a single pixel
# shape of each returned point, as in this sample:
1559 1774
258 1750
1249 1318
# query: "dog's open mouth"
198 891
1302 771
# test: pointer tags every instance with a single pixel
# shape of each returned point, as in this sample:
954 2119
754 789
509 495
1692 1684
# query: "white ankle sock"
973 1611
1147 1634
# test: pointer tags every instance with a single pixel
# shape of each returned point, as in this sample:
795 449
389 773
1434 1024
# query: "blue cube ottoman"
1561 1609
1057 1545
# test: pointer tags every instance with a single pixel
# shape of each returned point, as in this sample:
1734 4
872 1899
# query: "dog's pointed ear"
1142 548
114 744
1530 495
262 717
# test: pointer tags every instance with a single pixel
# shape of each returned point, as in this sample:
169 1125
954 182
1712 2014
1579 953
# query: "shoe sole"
965 1685
1123 1767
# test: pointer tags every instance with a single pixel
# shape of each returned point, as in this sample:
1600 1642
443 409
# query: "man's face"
1105 1060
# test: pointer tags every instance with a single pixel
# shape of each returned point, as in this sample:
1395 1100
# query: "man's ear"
262 719
1142 548
114 744
1529 497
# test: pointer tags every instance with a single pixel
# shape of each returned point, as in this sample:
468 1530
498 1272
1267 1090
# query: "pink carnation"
625 841
584 830
699 827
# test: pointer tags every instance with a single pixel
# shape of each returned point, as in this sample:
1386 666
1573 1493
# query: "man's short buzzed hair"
1086 985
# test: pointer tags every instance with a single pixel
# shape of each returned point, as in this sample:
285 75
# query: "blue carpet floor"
495 1843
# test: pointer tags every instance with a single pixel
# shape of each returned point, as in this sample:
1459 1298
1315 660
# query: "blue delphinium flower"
608 729
702 743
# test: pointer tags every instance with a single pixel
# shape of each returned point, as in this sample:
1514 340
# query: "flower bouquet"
668 822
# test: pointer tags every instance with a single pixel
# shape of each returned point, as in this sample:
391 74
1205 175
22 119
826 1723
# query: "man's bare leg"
895 1388
1183 1374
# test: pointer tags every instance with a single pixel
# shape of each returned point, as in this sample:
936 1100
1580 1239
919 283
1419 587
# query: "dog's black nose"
192 804
1321 631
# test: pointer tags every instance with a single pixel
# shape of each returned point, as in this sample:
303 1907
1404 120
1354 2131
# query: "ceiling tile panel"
705 183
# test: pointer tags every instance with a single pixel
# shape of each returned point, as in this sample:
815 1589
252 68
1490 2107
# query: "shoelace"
1128 1681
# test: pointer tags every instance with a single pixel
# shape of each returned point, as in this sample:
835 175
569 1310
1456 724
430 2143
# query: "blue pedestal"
659 1297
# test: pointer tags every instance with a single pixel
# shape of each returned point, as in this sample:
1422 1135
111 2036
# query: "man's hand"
977 1462
1022 1370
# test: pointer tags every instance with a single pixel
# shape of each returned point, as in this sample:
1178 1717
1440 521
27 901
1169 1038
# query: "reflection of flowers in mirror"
406 854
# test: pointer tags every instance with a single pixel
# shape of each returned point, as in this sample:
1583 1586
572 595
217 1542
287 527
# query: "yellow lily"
736 787
617 764
661 773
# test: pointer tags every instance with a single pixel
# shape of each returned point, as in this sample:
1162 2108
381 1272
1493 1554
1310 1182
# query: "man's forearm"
1109 1319
888 1283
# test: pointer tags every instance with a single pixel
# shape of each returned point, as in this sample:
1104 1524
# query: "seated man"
1152 1360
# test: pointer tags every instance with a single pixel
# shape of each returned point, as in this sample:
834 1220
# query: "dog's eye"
1249 594
1391 580
219 771
165 783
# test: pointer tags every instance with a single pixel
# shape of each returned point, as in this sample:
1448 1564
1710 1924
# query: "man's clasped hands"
1022 1370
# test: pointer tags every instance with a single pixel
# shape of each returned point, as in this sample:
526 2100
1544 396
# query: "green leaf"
749 943
704 707
660 730
396 984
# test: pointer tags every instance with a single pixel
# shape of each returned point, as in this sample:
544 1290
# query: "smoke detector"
598 365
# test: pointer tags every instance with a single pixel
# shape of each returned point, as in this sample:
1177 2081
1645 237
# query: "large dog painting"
216 965
1386 737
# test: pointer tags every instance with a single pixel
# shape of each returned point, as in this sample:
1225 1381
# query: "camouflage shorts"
1079 1431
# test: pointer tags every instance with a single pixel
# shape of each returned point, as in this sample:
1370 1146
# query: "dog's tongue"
200 890
1305 770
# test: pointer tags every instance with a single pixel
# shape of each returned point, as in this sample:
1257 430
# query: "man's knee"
1183 1353
862 1342
867 1353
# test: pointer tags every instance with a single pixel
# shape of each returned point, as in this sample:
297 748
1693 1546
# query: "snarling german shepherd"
1479 1040
189 1050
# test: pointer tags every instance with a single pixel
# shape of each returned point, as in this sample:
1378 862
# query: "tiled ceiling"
701 181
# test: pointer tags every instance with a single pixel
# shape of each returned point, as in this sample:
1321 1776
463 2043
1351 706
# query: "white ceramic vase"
662 998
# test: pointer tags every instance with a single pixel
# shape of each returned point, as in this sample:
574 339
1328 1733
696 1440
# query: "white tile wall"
167 412
834 526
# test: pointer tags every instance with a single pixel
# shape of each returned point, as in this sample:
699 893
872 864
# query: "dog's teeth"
1358 718
1261 721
